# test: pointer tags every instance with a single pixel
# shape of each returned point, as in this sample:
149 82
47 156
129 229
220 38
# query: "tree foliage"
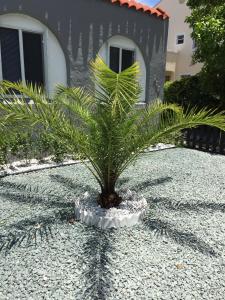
102 124
208 23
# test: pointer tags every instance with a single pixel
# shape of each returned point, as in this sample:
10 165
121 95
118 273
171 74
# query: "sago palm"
103 123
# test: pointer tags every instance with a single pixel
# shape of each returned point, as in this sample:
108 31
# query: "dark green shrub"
45 145
189 92
21 146
42 146
24 146
3 151
59 151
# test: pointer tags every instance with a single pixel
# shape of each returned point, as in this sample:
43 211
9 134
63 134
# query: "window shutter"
10 54
114 59
33 58
127 59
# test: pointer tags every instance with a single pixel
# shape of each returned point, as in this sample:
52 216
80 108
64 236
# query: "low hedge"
24 146
189 92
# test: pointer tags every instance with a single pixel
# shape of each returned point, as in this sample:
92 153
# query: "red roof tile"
142 7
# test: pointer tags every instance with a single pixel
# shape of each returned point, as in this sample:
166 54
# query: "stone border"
124 216
104 223
160 147
20 168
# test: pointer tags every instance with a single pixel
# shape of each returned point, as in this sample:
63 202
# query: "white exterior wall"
125 43
54 59
179 57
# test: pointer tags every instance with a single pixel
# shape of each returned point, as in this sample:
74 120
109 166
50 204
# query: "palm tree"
102 123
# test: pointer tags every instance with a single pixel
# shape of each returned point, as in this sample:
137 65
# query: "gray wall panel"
82 26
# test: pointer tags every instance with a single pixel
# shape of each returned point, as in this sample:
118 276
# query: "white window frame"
194 45
44 34
178 35
120 56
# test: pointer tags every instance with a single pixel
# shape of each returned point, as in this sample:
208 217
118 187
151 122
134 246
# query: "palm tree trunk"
109 197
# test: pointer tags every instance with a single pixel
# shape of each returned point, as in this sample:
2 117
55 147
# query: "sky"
150 2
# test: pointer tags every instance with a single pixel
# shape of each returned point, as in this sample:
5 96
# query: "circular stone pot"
130 212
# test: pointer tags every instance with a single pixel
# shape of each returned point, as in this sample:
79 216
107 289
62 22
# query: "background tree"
208 23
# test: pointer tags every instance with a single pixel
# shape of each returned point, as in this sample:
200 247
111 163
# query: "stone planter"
130 212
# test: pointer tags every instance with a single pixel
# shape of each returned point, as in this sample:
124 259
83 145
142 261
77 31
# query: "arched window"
120 53
30 52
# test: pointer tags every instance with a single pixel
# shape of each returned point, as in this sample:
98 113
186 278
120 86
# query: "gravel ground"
178 253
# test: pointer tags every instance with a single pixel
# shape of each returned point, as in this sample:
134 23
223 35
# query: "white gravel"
178 253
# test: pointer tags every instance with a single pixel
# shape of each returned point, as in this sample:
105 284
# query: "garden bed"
177 253
23 166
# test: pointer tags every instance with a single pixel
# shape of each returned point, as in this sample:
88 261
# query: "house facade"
180 44
52 41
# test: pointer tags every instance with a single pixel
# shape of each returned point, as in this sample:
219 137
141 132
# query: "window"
180 39
33 58
10 54
167 78
114 59
120 52
21 56
194 45
120 59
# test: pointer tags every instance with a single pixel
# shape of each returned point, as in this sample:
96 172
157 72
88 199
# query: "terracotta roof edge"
158 12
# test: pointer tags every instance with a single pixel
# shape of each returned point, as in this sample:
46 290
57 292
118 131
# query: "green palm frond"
102 124
114 91
76 101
